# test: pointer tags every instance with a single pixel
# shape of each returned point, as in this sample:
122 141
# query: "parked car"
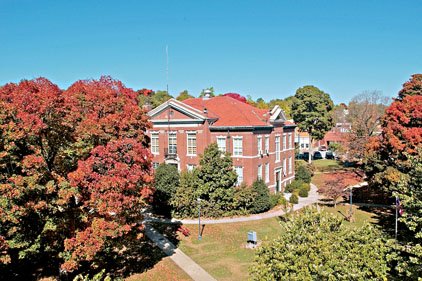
317 155
329 155
305 156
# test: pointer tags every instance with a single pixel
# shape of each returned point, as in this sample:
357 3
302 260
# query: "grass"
327 163
360 216
166 269
222 250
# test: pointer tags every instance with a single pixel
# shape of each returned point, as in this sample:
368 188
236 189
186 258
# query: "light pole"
351 201
199 218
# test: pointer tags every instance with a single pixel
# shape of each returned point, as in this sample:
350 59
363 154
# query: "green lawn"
222 250
327 165
166 269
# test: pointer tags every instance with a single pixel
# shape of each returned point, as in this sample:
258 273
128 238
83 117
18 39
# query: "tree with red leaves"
75 171
236 97
394 164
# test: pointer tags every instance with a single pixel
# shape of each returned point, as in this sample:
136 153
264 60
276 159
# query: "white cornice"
182 107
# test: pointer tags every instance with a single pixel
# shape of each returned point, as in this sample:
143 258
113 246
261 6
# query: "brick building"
261 142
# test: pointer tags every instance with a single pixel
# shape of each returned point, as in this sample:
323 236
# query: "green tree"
210 91
318 246
311 110
184 95
184 201
216 179
166 183
303 174
262 198
260 103
285 105
159 97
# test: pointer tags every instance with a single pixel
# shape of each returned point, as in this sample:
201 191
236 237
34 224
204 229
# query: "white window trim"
267 144
259 174
259 145
239 182
267 172
241 141
277 153
225 142
187 143
158 142
168 139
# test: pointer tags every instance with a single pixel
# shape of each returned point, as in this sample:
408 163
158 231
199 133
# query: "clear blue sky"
260 48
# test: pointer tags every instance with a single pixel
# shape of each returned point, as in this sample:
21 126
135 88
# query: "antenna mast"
167 68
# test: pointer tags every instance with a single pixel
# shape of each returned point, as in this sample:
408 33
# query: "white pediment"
178 106
277 115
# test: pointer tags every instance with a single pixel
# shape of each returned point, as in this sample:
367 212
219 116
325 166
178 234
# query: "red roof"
335 136
231 112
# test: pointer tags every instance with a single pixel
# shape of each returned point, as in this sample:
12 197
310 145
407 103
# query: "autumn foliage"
74 169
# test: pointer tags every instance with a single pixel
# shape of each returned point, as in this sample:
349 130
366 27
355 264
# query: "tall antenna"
167 68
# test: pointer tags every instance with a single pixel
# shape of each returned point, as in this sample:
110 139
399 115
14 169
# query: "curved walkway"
303 202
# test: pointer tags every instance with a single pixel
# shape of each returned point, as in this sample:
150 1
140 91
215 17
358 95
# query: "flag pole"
397 211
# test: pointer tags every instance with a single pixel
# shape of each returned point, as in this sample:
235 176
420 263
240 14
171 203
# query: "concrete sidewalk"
303 202
181 259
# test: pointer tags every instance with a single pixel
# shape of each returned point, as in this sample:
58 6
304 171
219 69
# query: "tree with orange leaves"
394 163
75 172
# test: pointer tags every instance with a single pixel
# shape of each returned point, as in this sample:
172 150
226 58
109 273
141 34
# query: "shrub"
294 199
296 184
244 197
285 205
306 186
274 199
303 174
303 192
262 199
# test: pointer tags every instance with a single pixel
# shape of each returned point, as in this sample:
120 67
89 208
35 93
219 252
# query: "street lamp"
199 218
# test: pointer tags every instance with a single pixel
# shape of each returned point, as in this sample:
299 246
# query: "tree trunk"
310 149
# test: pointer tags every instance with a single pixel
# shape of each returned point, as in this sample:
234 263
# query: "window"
259 145
290 165
239 172
267 172
289 141
172 143
267 144
284 141
191 143
237 146
190 167
155 148
277 148
221 142
260 172
155 165
284 166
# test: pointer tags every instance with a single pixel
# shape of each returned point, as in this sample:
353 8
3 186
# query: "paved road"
303 202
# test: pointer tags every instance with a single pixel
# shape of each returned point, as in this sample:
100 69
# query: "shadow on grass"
127 255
